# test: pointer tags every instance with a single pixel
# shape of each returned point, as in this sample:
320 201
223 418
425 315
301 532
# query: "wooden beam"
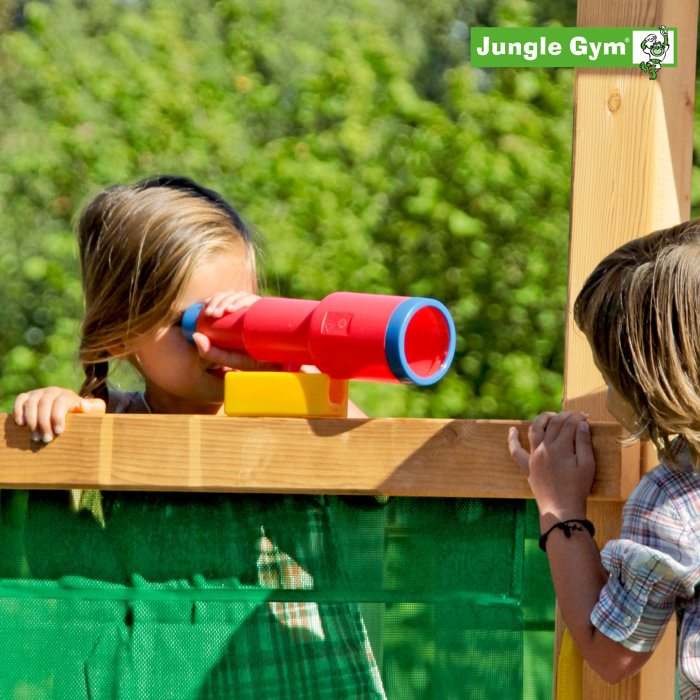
387 456
633 149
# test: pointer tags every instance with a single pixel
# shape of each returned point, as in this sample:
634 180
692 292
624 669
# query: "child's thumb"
91 406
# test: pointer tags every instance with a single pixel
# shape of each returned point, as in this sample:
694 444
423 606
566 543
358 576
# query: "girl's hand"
216 306
228 302
561 467
44 410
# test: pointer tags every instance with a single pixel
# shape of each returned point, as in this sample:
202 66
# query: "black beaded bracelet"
567 526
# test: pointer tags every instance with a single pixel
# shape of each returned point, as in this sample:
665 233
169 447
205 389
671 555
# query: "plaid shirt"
655 568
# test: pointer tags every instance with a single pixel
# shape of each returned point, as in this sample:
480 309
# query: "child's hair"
139 245
640 310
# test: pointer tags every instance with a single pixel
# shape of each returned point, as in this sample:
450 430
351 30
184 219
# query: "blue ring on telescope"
395 341
189 321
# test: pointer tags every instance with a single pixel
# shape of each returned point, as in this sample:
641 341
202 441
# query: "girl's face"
618 407
178 379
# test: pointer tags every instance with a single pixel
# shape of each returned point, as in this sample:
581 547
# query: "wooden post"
631 175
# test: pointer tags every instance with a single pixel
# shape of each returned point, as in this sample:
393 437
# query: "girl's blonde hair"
640 310
139 245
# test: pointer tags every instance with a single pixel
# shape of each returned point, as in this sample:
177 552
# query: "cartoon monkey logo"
656 49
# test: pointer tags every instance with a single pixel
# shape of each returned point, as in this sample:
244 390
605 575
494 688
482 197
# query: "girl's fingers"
29 414
52 408
538 428
26 411
73 404
228 302
520 456
44 411
90 406
584 446
18 408
202 343
227 358
210 352
568 431
555 424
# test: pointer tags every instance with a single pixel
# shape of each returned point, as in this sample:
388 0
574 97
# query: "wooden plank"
631 175
381 456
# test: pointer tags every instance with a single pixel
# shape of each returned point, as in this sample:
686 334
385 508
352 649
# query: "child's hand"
228 302
216 306
561 467
44 411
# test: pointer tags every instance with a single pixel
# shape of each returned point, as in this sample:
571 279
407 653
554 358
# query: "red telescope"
346 335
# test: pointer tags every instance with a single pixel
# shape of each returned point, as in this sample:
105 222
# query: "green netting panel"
207 596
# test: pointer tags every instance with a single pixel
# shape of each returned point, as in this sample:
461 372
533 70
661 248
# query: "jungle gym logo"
651 49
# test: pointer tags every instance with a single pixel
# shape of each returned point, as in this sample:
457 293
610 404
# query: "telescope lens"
427 341
420 341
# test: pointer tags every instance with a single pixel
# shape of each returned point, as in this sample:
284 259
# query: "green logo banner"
649 48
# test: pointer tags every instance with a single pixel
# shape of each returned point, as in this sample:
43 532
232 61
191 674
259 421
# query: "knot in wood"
614 101
450 435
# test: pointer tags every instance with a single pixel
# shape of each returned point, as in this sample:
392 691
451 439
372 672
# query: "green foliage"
356 137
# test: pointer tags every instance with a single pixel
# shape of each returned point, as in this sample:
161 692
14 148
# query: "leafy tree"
356 136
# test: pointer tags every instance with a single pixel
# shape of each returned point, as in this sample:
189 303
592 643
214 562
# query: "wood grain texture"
381 456
632 161
631 175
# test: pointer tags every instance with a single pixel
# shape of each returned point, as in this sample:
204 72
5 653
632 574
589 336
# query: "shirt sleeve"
653 565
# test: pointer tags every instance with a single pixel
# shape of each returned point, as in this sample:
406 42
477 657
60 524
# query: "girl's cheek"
170 344
166 332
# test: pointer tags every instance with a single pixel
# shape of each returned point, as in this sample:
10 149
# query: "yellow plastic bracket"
569 669
285 394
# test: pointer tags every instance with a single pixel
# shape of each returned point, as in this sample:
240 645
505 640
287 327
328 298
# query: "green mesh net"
207 596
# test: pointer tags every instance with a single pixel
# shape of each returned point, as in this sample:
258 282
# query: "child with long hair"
640 312
147 252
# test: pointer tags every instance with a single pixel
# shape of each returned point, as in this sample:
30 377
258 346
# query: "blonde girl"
147 252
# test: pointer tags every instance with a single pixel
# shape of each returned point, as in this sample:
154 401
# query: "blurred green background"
353 134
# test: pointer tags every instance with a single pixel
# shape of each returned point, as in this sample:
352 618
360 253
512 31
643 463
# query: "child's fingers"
44 411
228 358
69 402
202 343
568 430
90 406
584 446
18 408
520 456
555 424
228 302
36 407
26 412
52 408
210 352
538 428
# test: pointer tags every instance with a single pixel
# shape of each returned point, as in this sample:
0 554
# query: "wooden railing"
380 456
